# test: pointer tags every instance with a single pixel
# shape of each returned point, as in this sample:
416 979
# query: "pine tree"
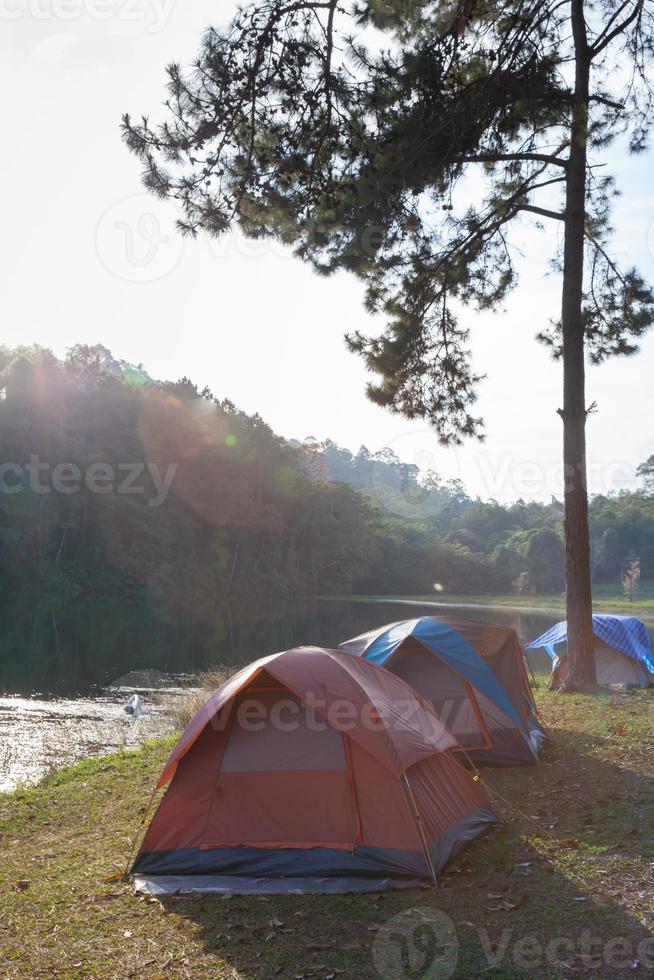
296 122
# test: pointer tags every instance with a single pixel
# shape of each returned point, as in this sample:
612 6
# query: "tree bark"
579 603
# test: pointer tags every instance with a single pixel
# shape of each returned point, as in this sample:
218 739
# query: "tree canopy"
400 141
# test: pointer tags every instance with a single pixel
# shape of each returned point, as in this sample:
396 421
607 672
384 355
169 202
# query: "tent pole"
353 790
419 826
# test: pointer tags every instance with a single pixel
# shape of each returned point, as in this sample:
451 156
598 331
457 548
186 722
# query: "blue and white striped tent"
623 653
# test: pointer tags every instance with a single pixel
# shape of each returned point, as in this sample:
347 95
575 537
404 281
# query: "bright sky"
87 257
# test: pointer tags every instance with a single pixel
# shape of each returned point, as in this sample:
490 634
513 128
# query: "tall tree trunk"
579 607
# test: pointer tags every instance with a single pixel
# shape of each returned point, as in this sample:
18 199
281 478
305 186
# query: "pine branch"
605 39
609 102
557 215
500 157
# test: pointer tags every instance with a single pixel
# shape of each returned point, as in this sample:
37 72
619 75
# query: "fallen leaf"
101 899
508 905
583 962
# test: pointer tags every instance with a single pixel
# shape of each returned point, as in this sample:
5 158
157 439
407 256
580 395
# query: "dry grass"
203 684
583 869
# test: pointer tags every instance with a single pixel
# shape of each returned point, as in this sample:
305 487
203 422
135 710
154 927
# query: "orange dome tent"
310 770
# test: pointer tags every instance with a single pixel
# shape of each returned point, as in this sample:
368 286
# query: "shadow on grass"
561 888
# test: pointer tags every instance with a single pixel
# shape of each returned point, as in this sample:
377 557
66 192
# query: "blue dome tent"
493 720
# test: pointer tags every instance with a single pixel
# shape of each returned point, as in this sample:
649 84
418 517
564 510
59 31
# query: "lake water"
67 669
77 649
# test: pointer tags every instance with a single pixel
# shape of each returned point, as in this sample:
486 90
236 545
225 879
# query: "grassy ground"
570 894
606 598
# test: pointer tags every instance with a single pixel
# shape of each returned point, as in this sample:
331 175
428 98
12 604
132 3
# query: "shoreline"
507 603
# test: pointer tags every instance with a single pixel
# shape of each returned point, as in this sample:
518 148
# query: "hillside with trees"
115 484
520 544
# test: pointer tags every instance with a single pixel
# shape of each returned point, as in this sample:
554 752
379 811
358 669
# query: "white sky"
88 258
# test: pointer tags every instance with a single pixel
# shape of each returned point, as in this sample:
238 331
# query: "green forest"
114 483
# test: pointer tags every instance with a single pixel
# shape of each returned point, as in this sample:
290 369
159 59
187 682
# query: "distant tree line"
112 482
487 545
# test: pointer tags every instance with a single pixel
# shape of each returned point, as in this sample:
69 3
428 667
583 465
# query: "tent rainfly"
501 649
623 654
485 703
310 771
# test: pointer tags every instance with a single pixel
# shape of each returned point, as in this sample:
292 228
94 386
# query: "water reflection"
77 648
54 648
